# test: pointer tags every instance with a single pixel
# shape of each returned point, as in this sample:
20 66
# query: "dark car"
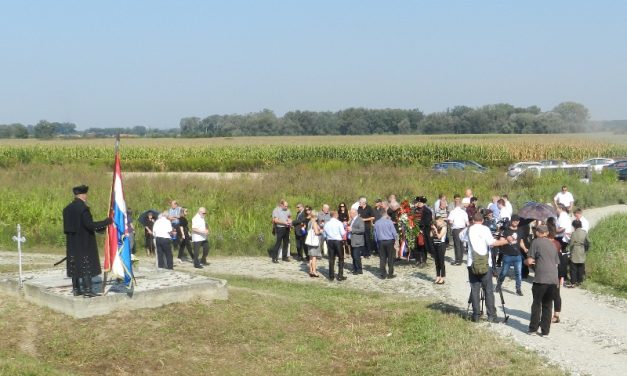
447 166
622 174
471 165
618 165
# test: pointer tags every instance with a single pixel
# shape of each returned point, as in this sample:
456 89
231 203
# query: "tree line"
566 117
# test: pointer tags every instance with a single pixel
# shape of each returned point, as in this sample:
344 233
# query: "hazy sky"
127 63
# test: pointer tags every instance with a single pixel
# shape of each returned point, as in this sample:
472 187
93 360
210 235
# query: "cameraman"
512 253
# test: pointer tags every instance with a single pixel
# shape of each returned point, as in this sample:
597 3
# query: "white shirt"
334 230
564 198
479 239
458 218
355 206
198 222
506 211
564 222
585 225
162 228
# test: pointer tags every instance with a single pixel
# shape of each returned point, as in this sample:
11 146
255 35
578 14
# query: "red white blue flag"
118 247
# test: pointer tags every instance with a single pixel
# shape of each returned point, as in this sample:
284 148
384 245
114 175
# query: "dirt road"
590 339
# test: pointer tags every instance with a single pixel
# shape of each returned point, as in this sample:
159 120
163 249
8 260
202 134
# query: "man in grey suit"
356 230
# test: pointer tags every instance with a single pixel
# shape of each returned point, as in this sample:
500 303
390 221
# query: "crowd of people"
493 238
170 230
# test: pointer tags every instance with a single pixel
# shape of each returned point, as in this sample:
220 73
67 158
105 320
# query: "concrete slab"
155 288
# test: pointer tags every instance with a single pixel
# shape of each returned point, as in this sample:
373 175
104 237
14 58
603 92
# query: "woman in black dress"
183 234
148 238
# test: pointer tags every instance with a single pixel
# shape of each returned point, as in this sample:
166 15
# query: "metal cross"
19 239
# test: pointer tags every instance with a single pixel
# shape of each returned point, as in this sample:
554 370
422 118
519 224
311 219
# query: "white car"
597 164
515 169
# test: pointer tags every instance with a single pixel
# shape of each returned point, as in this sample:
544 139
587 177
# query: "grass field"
317 331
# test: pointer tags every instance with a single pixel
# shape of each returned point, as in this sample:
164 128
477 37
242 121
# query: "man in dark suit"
356 229
300 231
81 249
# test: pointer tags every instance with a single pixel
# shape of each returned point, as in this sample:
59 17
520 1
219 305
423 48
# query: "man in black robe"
81 249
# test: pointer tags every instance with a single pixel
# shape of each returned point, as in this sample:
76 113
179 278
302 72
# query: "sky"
125 63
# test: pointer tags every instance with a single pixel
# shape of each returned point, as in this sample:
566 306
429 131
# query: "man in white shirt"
564 226
162 231
334 232
504 210
458 220
565 198
585 225
480 240
199 237
466 200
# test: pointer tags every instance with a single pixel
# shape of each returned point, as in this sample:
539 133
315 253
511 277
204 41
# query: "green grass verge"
606 262
267 327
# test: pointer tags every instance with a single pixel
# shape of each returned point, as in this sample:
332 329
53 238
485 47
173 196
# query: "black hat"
422 199
515 217
81 189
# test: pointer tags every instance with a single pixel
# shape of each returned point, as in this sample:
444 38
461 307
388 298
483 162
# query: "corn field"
165 155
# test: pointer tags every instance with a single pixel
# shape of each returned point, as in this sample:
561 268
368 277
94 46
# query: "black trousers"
282 238
577 272
484 283
557 299
356 254
164 253
204 244
541 313
387 255
300 246
458 245
369 241
438 256
185 243
335 250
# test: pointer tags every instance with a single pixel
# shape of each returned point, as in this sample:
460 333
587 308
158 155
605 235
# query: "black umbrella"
537 211
143 217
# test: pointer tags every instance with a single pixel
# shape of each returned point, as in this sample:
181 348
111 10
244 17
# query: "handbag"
312 239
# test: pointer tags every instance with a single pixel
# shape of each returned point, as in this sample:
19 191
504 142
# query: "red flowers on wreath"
409 230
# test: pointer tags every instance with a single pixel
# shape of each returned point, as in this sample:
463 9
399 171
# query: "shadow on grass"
517 319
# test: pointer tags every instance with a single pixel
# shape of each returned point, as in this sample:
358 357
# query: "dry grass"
265 328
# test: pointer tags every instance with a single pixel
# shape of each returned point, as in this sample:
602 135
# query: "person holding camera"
512 254
480 239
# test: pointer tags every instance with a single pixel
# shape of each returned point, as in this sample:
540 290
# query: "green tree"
574 115
44 130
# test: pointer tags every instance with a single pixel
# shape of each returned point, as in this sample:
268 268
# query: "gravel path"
591 338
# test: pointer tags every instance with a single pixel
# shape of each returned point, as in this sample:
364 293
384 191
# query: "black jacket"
81 247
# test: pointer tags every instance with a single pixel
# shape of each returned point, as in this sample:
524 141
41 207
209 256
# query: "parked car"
582 171
618 165
448 166
517 168
622 174
553 162
471 165
597 164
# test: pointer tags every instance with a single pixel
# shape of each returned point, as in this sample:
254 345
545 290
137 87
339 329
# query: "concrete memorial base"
154 288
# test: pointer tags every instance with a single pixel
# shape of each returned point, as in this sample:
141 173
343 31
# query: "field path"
591 338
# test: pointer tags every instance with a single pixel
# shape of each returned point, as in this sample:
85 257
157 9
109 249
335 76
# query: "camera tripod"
482 299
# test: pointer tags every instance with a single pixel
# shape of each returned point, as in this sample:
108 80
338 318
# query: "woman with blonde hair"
313 252
438 235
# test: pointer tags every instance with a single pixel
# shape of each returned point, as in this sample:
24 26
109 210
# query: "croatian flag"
118 247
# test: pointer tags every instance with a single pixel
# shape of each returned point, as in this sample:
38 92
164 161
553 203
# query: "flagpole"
107 250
